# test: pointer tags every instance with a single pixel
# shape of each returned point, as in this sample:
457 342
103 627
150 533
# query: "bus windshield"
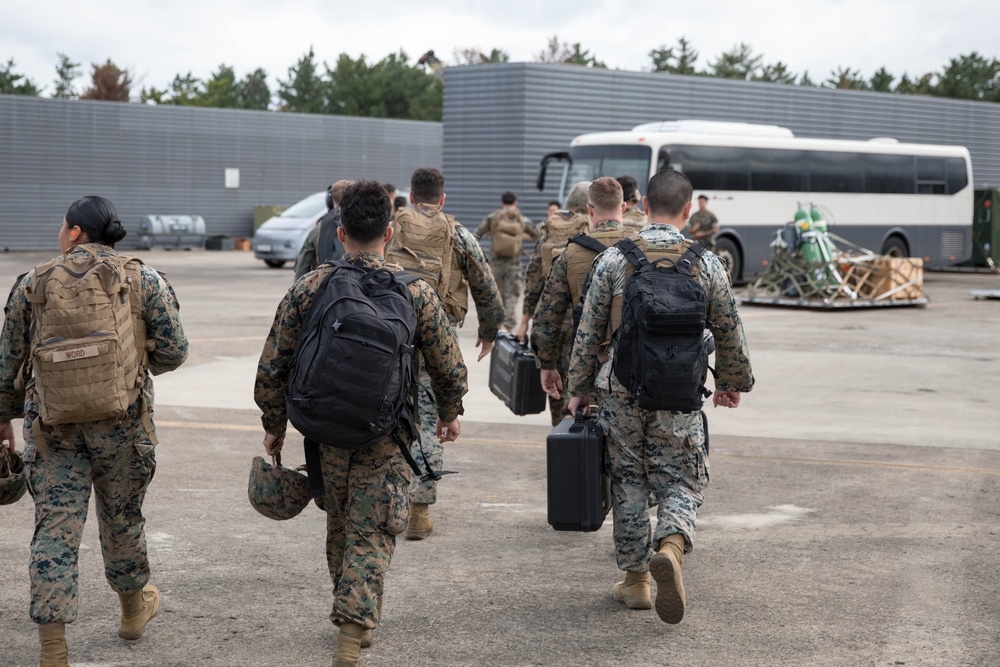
590 162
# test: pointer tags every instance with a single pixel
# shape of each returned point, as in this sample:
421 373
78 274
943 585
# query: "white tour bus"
898 199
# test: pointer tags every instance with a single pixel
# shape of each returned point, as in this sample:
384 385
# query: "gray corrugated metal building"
499 120
172 160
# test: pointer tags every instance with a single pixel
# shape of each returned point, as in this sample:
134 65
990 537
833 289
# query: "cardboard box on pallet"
891 273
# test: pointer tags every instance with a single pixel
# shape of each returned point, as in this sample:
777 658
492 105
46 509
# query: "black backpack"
328 246
355 362
660 351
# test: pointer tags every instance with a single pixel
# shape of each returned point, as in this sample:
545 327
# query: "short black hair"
365 211
629 187
509 197
668 193
399 202
427 185
705 197
390 189
554 203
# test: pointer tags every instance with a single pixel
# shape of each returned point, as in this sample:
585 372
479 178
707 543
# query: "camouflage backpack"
88 353
508 233
423 245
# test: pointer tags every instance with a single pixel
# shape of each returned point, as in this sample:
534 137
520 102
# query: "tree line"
393 87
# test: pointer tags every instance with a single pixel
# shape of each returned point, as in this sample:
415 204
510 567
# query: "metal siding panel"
166 160
485 128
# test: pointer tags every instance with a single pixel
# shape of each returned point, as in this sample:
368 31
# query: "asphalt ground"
853 516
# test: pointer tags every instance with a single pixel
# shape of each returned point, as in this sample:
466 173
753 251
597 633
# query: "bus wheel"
895 246
727 250
275 263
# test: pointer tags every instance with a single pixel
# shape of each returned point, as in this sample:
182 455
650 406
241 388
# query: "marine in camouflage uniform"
115 458
507 270
490 313
703 224
658 452
535 277
564 286
366 489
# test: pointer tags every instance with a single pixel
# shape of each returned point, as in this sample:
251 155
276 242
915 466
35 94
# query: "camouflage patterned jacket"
553 314
732 363
434 337
485 293
534 281
163 326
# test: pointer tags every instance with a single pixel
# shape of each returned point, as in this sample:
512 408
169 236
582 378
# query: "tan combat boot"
367 639
420 522
665 567
348 650
634 591
138 609
52 640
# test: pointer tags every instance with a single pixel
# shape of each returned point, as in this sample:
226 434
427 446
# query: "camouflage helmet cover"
13 481
275 491
577 200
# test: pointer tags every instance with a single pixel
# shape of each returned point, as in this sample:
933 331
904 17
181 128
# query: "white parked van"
279 239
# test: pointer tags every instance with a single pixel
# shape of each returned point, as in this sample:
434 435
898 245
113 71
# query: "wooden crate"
890 273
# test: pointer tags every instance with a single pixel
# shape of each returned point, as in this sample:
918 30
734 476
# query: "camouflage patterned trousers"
427 413
651 452
367 506
510 280
557 406
117 460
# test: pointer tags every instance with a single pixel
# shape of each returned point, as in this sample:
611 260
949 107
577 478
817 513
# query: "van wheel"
727 250
895 246
275 263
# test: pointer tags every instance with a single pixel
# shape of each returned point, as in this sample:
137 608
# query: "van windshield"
312 206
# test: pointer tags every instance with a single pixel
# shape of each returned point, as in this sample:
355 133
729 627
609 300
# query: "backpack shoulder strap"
691 257
588 242
632 252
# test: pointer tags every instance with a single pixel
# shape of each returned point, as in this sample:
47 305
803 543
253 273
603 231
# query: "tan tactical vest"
423 244
89 351
508 233
557 231
634 220
580 259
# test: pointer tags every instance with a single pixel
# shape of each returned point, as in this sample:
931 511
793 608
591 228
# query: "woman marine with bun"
114 456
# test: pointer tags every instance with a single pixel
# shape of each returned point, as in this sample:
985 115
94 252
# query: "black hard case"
579 487
514 377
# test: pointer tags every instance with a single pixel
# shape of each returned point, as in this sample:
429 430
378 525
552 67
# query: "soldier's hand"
487 346
448 431
273 443
7 435
522 330
578 402
551 383
726 399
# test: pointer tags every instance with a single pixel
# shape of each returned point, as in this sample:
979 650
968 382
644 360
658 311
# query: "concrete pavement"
852 517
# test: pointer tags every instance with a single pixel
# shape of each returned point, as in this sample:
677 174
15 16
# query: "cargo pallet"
856 279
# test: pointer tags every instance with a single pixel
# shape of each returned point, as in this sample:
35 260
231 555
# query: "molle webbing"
558 230
89 349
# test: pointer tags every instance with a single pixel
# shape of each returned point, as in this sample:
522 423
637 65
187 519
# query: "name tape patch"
75 353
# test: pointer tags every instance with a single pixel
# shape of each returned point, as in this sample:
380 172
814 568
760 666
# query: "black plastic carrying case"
514 377
579 489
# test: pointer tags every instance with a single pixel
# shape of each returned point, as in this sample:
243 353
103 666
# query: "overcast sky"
157 41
